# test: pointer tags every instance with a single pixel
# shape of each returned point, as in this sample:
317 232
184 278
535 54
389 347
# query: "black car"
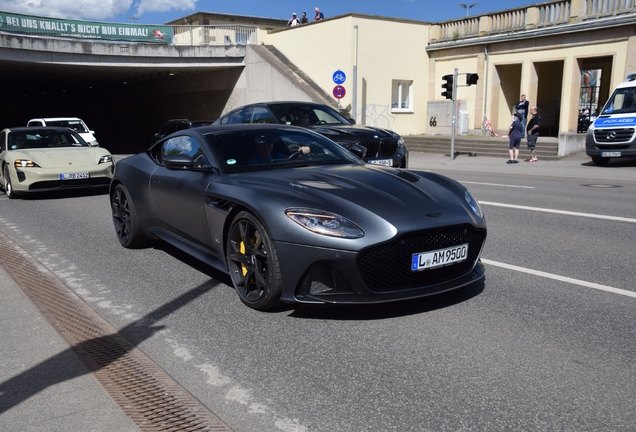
171 126
291 216
384 147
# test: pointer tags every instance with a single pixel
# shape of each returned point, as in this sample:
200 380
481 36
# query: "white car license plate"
610 154
74 176
439 258
383 162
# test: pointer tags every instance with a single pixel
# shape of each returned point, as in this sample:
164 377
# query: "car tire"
253 263
600 161
125 219
8 186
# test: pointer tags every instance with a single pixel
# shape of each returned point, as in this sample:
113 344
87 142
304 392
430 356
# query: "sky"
162 11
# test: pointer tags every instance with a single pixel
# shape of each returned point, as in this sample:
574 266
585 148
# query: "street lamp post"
468 7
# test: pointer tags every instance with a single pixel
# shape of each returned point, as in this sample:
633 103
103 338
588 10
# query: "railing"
539 15
215 35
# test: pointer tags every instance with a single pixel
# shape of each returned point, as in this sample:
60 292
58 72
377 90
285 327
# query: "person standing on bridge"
319 15
293 21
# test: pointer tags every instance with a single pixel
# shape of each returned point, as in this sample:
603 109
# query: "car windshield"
307 115
44 138
623 101
257 149
76 125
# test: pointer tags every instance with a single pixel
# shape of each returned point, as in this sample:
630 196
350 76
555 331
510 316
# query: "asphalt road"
545 344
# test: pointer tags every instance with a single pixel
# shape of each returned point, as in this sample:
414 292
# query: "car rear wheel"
600 161
127 228
253 263
8 186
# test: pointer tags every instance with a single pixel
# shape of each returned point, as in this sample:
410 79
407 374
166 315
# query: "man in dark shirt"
533 133
319 15
522 106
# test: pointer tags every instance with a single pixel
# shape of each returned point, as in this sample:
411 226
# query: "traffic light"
448 86
471 79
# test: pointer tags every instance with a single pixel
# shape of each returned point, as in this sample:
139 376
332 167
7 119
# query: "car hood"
363 193
344 133
61 157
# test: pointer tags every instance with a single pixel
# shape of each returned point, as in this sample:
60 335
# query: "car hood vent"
408 176
318 184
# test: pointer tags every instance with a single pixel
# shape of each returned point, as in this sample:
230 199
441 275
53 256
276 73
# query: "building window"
401 99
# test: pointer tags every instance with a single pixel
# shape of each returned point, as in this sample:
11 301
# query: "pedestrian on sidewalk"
522 106
533 133
515 134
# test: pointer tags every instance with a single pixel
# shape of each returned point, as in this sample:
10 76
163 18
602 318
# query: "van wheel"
600 161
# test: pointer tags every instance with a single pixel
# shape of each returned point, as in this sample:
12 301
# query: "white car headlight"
325 223
25 163
105 159
474 204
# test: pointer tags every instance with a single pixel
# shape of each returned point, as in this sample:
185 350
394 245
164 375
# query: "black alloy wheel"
127 228
253 263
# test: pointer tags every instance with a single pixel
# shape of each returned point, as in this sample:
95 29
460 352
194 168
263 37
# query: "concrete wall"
387 50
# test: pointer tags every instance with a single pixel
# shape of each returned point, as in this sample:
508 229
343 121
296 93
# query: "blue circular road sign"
339 77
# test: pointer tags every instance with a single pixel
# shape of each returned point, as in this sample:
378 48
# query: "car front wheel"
253 263
8 186
600 161
127 228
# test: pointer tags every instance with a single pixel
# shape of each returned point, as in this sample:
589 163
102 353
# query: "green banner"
40 26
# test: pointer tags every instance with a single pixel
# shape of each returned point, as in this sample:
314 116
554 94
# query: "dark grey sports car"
293 217
384 147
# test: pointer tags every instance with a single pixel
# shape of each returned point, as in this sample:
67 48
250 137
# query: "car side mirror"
358 150
178 162
352 121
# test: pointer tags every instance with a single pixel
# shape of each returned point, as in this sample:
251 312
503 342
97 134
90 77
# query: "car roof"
203 130
30 129
55 118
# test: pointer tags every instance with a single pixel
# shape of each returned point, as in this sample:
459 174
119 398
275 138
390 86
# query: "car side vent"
220 203
408 176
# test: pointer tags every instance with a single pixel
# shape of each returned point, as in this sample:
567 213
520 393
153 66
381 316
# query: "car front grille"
384 148
387 267
70 184
613 135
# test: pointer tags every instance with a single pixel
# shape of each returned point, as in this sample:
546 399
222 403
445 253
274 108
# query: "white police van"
613 132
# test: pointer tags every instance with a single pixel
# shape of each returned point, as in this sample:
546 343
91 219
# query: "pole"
354 93
454 99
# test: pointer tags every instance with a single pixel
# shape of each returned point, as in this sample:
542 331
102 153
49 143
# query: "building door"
549 89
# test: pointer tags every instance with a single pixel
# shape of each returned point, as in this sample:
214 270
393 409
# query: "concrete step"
547 148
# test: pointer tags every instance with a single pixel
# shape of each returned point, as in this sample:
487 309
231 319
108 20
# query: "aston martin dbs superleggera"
291 216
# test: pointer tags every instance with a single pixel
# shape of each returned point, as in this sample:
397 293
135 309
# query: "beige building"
566 56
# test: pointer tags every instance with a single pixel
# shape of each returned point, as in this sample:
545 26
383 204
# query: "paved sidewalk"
578 165
31 352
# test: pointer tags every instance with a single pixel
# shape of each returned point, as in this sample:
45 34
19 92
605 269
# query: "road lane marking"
564 212
560 278
497 184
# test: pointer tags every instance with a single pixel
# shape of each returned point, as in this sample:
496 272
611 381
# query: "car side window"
237 117
3 139
185 145
262 115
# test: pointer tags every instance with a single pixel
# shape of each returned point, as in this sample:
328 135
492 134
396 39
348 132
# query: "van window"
623 101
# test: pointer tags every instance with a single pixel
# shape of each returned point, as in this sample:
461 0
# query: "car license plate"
74 176
383 162
610 154
439 258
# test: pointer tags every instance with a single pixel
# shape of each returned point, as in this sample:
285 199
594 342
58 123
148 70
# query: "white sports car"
37 159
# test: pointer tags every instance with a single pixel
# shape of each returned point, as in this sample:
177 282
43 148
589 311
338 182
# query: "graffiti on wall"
376 115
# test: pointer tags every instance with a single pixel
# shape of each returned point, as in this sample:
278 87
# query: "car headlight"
25 163
105 159
474 205
397 136
325 223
